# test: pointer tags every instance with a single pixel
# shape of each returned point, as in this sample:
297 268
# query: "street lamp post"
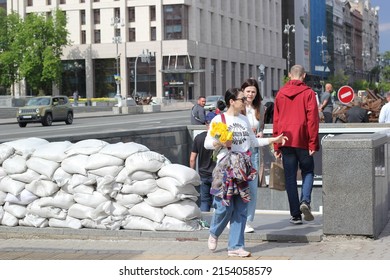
287 28
323 40
145 57
344 48
117 22
262 78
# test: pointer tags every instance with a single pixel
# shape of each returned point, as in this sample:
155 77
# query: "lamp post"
117 23
261 78
323 40
145 57
287 28
344 48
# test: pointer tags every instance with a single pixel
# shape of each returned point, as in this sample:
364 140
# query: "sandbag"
145 210
175 187
123 150
69 222
60 199
15 164
86 147
42 188
5 152
146 161
160 198
16 210
28 176
43 166
183 210
24 198
54 151
91 200
140 187
128 200
10 185
75 164
32 220
182 173
96 161
25 147
173 224
139 223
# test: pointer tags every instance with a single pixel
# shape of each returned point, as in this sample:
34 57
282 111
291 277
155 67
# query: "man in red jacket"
296 116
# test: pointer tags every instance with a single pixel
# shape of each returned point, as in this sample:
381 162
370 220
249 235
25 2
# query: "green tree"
38 45
8 58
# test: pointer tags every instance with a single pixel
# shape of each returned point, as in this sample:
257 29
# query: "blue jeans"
206 198
253 185
292 157
235 213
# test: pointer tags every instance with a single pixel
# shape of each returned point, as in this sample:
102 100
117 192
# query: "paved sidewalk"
274 239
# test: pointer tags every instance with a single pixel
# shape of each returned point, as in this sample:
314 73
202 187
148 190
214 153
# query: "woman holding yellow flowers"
231 136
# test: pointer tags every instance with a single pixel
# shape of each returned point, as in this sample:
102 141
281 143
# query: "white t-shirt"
243 136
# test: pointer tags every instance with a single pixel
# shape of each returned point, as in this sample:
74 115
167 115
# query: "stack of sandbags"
95 184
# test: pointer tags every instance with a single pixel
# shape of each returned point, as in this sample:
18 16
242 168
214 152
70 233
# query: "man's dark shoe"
297 220
306 211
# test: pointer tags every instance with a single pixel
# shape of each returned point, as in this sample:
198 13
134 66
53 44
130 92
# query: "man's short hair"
297 71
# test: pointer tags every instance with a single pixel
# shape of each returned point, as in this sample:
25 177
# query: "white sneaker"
249 229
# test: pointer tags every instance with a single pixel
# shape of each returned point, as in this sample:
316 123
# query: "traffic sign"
345 94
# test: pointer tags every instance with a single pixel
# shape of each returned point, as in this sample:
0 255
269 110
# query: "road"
96 123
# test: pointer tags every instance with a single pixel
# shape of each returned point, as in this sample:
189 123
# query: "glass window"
152 11
83 37
131 12
48 2
117 12
29 2
97 36
62 1
96 0
175 22
153 34
82 1
131 34
82 17
96 16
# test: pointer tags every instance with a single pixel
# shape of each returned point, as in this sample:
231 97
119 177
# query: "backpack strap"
223 118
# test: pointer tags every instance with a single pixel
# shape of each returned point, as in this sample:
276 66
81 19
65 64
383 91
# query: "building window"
175 22
131 34
97 38
117 12
96 0
96 16
82 1
131 12
62 1
48 2
152 11
30 2
153 34
117 32
82 17
83 37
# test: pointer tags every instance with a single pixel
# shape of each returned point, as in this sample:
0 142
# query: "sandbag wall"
94 184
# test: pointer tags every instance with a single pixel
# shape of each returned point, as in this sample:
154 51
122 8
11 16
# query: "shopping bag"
276 176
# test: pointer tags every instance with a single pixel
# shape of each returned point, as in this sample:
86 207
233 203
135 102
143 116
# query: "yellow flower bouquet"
220 131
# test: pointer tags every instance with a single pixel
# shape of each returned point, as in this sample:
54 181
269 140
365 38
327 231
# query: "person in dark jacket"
357 114
296 116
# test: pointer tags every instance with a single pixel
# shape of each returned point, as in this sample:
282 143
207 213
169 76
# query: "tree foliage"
33 49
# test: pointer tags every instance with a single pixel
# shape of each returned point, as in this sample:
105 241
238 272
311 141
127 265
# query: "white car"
211 102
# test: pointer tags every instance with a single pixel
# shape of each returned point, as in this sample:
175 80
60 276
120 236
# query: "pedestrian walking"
198 114
296 116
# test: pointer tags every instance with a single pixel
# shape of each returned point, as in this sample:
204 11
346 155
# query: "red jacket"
296 116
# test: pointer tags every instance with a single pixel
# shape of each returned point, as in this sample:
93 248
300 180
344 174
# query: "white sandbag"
123 176
16 210
24 198
140 187
86 147
28 176
128 200
111 223
26 146
109 208
146 161
160 198
61 177
54 151
1 212
139 223
106 171
15 164
47 211
3 195
175 187
9 220
42 188
32 220
10 185
89 223
108 186
60 199
145 210
173 224
183 210
69 222
91 200
96 161
78 179
3 173
80 211
182 173
5 152
75 164
43 166
78 189
141 175
123 150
